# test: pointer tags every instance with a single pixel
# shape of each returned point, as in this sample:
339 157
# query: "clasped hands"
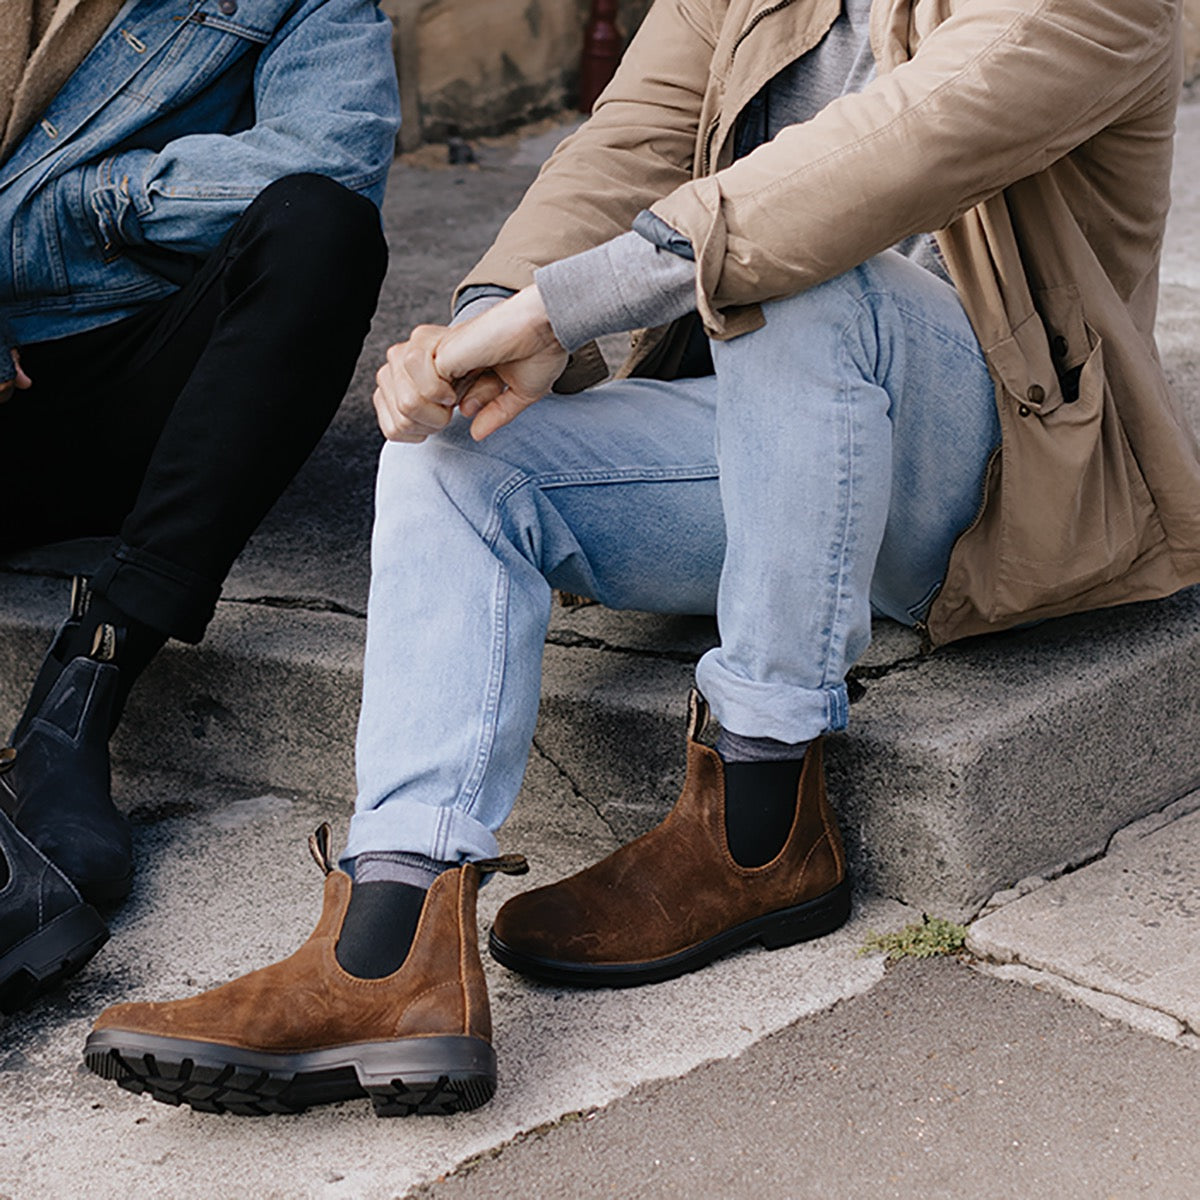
491 368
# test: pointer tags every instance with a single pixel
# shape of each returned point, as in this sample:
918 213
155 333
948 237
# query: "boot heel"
439 1098
429 1076
813 919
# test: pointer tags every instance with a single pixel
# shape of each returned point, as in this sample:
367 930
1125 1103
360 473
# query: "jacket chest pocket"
209 42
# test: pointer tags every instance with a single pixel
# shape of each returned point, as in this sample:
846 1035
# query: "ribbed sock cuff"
733 747
393 866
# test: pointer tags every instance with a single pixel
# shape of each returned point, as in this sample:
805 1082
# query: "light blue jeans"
825 469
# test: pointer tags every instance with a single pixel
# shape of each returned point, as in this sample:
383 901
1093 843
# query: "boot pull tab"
506 864
81 597
319 843
104 644
697 715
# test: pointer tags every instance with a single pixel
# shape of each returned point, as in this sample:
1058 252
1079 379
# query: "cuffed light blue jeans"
826 468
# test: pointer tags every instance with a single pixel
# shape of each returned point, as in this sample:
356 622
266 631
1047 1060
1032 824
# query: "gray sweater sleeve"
639 279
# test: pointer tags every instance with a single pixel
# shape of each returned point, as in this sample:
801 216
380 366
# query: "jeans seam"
916 317
598 478
495 685
839 593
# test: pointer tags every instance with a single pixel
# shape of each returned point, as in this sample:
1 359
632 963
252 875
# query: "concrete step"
963 772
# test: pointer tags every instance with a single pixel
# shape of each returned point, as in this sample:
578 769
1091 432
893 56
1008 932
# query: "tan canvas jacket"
1035 138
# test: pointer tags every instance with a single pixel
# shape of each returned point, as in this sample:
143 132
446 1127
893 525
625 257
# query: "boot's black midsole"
783 927
374 1064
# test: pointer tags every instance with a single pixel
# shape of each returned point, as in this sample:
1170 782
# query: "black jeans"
177 428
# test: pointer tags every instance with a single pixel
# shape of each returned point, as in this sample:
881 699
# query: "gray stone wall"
485 66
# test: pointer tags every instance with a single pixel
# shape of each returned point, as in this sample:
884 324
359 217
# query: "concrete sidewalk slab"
937 1084
226 884
1125 928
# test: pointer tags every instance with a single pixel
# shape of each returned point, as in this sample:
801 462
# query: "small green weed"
931 937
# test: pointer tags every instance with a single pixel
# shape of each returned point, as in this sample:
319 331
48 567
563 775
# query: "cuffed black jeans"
176 429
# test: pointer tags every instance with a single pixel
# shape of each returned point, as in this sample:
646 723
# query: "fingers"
499 412
482 391
411 399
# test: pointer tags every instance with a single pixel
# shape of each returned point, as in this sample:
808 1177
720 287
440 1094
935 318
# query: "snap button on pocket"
227 7
1023 411
1036 394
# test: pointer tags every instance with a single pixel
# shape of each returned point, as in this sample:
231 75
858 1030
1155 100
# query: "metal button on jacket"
227 7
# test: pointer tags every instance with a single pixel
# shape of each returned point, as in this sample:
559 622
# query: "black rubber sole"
784 927
44 959
433 1076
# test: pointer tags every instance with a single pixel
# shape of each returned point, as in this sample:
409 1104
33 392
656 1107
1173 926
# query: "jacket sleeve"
637 147
325 101
997 92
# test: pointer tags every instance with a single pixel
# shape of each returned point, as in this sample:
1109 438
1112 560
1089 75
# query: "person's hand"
503 361
21 383
411 399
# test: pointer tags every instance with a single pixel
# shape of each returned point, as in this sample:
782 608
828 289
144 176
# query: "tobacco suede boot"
56 784
304 1032
47 933
675 899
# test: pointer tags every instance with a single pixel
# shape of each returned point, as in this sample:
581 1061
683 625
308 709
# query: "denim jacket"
181 114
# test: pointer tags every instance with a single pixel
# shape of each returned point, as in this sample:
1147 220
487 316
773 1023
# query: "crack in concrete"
582 641
575 788
298 603
883 670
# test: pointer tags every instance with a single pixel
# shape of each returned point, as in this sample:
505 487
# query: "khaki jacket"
1035 138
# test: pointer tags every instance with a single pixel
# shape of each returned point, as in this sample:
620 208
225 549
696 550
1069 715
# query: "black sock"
760 795
377 933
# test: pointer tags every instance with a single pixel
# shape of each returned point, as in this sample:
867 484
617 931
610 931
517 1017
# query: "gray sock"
394 866
733 747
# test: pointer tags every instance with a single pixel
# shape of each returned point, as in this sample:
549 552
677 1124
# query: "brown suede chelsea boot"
675 899
304 1032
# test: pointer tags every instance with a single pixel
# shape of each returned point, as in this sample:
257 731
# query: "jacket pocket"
206 46
1075 511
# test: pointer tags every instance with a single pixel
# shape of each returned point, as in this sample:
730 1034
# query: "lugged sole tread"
247 1092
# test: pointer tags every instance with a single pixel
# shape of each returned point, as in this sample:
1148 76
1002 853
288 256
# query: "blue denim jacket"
182 113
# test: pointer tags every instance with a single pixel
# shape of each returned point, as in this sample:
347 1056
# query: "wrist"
533 315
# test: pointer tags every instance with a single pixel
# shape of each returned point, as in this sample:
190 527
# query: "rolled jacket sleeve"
997 92
637 147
